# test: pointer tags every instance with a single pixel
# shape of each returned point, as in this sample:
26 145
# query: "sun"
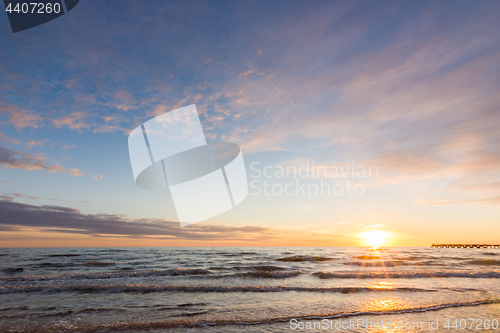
374 238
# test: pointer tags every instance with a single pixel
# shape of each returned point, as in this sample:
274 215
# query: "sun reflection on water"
384 305
381 285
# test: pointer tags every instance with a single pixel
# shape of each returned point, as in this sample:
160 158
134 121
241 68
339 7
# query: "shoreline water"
221 289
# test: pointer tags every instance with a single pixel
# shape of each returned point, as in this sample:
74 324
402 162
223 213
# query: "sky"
406 89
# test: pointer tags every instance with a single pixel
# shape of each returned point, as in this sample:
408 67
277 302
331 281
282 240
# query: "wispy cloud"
19 118
74 121
10 196
14 159
422 108
9 140
32 143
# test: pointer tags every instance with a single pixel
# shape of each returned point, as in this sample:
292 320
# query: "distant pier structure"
467 246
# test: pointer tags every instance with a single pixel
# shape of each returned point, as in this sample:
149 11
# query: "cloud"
20 118
124 101
68 147
18 216
14 159
492 200
415 96
21 195
307 208
9 228
13 141
422 107
74 172
97 177
32 143
70 220
74 121
88 121
10 196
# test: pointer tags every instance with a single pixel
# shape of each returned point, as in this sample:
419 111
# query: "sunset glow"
375 238
262 166
352 132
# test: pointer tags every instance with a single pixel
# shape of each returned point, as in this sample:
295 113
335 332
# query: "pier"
467 246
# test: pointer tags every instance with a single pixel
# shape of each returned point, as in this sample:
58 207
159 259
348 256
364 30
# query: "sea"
251 289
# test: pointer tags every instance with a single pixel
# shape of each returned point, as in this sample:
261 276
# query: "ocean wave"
13 270
166 306
189 314
183 305
251 267
111 275
33 315
98 263
63 255
260 272
418 257
195 323
268 275
485 262
393 263
368 257
50 265
394 258
377 264
41 314
305 258
234 254
138 288
72 264
407 275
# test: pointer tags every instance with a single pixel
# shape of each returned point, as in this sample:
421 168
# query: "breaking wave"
195 323
485 262
304 258
407 275
111 275
136 288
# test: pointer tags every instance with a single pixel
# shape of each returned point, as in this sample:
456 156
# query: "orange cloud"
20 118
74 121
33 143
